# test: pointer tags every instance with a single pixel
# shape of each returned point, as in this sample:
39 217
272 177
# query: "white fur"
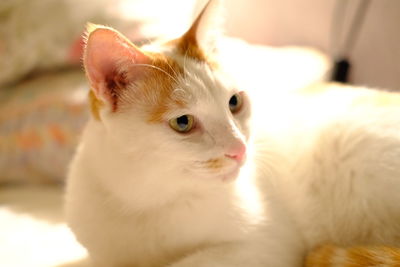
137 197
322 169
344 174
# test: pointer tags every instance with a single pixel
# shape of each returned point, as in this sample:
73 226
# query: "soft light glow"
27 241
160 18
249 195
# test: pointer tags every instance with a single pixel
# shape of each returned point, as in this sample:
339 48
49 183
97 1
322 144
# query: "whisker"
176 74
160 69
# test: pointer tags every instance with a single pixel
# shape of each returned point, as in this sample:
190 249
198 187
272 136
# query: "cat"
341 187
179 167
330 256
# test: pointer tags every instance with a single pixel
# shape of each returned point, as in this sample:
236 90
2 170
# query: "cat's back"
326 109
344 146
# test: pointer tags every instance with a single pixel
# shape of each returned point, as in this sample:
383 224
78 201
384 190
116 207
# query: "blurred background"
286 44
375 55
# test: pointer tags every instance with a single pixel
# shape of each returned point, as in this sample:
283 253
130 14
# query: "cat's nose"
237 152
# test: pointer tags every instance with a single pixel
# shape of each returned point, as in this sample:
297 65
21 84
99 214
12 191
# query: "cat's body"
155 180
355 256
156 226
343 147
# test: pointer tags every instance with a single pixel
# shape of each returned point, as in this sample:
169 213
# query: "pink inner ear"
107 58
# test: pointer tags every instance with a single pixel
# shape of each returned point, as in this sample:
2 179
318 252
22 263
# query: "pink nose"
237 152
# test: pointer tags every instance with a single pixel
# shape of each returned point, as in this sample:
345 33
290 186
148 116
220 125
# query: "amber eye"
182 124
235 103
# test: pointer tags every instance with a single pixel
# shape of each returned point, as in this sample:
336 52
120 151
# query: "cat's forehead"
201 80
179 83
190 68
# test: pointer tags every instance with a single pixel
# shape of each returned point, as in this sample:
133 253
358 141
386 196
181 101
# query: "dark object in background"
340 71
341 51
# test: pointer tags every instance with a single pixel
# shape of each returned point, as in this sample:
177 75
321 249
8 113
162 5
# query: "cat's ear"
109 60
204 31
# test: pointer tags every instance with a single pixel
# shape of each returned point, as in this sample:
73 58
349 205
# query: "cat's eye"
235 103
182 124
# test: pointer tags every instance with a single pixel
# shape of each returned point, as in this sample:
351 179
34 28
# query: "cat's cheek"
244 121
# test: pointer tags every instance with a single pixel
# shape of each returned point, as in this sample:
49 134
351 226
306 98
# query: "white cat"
168 172
343 147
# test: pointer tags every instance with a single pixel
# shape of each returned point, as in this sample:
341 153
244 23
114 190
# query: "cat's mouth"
221 168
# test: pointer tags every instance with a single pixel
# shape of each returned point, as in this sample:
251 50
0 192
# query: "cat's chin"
231 176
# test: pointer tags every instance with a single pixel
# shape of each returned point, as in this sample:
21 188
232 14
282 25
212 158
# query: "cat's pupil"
233 101
182 121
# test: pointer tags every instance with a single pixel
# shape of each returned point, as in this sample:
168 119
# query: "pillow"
40 124
40 35
42 115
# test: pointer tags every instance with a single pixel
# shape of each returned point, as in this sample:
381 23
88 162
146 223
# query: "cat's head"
170 103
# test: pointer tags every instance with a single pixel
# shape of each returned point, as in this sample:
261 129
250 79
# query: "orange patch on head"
157 87
153 91
188 46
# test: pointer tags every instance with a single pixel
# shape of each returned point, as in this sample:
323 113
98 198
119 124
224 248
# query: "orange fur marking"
214 163
361 256
95 105
394 253
320 257
156 89
188 45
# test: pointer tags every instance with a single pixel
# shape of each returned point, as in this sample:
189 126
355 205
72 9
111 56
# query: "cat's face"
200 127
170 106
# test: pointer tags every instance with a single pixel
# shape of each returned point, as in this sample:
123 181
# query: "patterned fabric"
46 34
40 122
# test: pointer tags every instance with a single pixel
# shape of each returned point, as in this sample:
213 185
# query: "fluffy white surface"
32 229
